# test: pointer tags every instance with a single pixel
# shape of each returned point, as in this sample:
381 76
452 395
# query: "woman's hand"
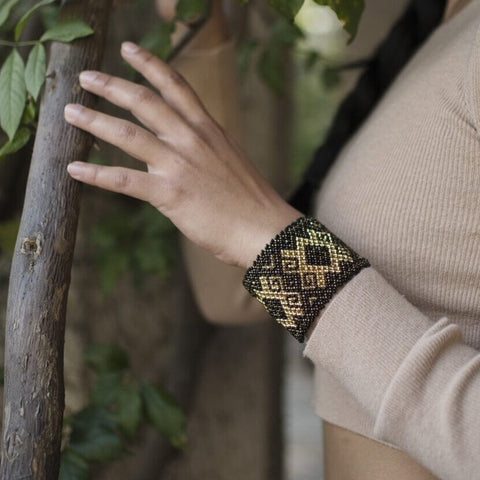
197 176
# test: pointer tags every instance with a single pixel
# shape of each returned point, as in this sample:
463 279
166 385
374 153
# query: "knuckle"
121 180
172 194
174 78
144 95
89 117
107 82
195 143
148 57
209 127
127 132
93 173
191 142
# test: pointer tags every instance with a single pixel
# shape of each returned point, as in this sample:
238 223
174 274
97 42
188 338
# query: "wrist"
267 230
299 272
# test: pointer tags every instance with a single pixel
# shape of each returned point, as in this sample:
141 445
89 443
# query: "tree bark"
40 275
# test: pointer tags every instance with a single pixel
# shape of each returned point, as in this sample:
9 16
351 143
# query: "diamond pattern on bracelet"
299 271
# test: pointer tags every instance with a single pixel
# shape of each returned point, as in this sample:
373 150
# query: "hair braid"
408 33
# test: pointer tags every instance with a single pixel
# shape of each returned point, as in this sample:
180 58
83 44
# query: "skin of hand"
197 176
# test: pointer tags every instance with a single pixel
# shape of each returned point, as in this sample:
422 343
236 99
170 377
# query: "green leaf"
19 141
67 31
49 16
191 9
106 387
94 436
311 60
30 113
271 69
73 467
13 93
271 63
245 52
8 235
106 358
287 8
21 23
158 40
35 70
5 9
284 34
128 410
164 414
348 12
330 77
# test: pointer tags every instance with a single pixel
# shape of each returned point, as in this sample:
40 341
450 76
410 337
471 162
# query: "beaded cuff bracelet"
299 271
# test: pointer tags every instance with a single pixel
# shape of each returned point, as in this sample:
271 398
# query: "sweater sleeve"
416 378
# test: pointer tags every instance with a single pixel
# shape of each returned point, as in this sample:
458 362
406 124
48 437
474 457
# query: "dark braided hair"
408 33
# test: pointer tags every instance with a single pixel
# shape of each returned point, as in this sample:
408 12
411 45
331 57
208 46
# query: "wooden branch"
40 275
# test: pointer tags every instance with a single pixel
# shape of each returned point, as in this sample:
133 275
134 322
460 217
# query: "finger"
141 101
130 182
173 87
125 135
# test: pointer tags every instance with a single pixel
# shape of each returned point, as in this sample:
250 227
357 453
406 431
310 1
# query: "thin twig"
28 43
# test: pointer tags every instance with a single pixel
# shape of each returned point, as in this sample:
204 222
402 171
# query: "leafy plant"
20 84
136 240
8 236
108 426
348 12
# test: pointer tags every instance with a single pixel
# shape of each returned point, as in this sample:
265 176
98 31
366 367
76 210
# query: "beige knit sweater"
397 351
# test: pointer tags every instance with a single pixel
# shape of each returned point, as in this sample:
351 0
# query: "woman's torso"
405 193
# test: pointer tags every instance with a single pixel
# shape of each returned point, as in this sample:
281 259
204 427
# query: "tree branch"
40 275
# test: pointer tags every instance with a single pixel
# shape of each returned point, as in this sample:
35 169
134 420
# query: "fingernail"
88 77
72 111
130 48
75 169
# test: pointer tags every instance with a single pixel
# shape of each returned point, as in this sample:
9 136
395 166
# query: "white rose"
316 19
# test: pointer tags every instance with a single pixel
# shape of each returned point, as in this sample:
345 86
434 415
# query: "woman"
396 344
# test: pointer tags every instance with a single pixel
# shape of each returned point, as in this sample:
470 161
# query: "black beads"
298 273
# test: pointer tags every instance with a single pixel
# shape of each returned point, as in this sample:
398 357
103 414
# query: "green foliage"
94 436
106 358
330 77
191 9
137 241
8 235
67 31
73 466
158 39
35 70
20 85
164 414
105 429
22 22
129 410
106 387
348 12
287 8
5 10
245 51
271 66
13 93
19 141
311 60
